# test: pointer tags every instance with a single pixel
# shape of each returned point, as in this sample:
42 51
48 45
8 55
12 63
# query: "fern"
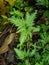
25 26
21 54
43 2
44 35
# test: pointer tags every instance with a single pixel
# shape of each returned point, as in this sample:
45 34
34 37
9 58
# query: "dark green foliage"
43 2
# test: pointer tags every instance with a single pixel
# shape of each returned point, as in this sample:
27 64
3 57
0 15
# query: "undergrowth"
31 53
29 20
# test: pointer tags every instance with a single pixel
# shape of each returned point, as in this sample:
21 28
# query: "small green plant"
43 2
46 14
25 26
44 35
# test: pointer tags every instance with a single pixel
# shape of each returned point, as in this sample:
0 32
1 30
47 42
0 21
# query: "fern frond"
25 26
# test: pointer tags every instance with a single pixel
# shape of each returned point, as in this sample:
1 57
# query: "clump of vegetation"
31 20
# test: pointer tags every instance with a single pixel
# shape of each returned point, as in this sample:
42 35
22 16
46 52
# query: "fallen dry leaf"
7 41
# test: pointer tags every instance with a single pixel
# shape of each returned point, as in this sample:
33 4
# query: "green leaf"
46 14
36 29
4 16
41 63
40 2
27 62
21 54
32 53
